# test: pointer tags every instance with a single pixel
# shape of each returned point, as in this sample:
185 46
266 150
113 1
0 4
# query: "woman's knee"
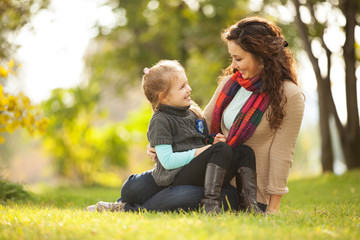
224 155
248 151
224 148
245 156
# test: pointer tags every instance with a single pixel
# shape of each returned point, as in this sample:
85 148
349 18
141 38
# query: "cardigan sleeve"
283 145
210 107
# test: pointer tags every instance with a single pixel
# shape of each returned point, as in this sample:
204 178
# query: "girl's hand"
219 138
151 153
200 150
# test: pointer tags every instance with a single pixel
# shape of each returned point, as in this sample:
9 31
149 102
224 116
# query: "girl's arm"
170 160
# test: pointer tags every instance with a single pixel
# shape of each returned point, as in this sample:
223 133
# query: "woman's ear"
261 64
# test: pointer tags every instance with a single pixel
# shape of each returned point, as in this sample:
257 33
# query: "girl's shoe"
91 208
110 207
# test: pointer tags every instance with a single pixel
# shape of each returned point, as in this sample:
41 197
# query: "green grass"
325 207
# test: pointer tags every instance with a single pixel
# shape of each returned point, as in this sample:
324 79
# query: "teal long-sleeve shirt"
170 160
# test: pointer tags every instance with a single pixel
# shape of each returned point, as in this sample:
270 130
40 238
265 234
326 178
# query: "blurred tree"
316 31
83 147
315 20
151 30
16 110
14 14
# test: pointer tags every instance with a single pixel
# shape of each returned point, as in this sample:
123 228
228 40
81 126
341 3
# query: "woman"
257 103
258 48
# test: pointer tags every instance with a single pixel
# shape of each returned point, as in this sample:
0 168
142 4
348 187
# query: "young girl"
179 135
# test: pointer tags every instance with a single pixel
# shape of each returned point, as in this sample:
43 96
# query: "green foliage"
12 192
14 14
83 146
155 30
137 123
17 111
316 208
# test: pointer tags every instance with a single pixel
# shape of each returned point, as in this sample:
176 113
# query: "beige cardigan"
273 151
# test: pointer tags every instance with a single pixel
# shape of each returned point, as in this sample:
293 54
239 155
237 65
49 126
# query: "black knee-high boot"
214 178
247 186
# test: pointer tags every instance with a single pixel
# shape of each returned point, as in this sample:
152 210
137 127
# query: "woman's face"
244 61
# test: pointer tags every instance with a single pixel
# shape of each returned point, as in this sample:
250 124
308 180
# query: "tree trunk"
327 156
350 137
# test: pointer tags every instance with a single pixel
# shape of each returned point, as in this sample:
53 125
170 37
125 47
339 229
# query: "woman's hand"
219 138
274 204
151 153
200 150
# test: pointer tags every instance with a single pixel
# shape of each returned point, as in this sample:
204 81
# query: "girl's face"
244 61
179 93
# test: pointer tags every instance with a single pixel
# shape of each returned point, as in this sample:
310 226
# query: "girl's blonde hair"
158 79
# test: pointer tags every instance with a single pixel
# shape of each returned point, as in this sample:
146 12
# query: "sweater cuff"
271 190
161 142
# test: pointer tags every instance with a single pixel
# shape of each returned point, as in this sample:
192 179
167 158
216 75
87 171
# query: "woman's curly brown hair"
265 41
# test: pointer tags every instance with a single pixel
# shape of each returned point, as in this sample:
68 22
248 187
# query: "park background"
73 117
81 62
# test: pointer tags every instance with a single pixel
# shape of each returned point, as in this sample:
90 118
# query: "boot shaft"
246 185
214 178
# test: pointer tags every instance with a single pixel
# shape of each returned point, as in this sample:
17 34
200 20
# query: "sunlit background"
55 52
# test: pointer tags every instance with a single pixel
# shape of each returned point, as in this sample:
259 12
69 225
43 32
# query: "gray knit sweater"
178 127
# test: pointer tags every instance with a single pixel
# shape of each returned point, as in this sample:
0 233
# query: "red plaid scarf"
249 115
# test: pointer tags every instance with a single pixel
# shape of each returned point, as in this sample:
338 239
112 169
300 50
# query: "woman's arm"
283 147
151 153
274 204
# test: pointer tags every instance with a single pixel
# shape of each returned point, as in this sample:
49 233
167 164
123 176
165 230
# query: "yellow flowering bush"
17 111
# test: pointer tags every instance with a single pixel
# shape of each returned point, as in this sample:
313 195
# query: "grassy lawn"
325 207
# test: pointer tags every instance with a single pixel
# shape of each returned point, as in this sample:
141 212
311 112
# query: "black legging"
194 172
220 154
